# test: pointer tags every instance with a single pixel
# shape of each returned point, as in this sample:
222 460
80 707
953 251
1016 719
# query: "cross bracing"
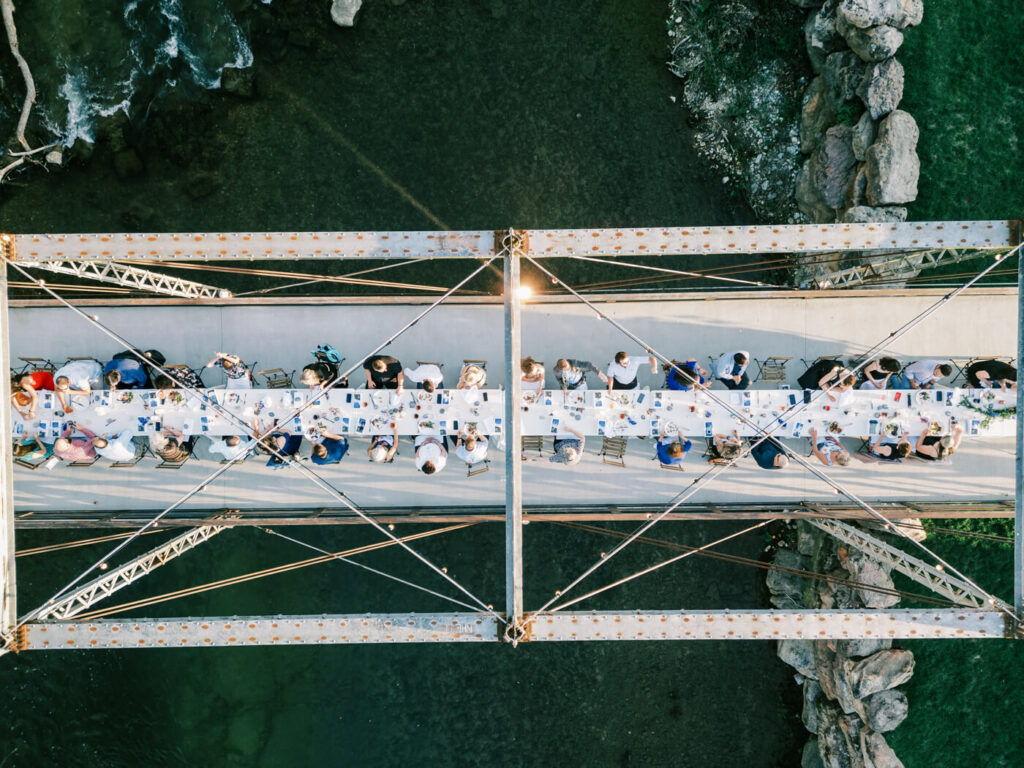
892 267
128 276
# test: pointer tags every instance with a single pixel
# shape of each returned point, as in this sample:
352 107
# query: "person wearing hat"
472 377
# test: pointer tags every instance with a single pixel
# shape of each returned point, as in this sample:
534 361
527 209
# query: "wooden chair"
87 463
277 378
32 464
429 362
772 368
472 470
613 451
533 443
673 467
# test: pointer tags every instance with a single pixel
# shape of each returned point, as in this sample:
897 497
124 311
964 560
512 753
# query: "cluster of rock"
862 169
343 12
849 686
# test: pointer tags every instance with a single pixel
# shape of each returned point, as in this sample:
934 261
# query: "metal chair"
140 452
88 463
37 364
277 378
819 358
772 368
32 465
472 470
613 451
533 443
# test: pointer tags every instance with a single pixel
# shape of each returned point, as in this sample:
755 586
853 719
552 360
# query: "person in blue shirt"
688 375
769 454
285 444
330 449
126 373
674 452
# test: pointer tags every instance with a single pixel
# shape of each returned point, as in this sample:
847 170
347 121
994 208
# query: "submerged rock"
811 756
237 81
880 672
881 89
343 12
885 710
892 162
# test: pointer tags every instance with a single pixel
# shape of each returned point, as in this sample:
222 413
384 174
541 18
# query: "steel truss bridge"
63 621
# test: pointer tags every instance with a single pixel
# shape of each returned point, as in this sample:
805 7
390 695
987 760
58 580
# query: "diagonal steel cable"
684 273
766 434
248 431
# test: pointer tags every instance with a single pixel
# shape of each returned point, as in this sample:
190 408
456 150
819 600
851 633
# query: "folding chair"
533 443
32 465
87 463
140 451
772 368
277 378
613 449
472 470
36 364
819 358
673 467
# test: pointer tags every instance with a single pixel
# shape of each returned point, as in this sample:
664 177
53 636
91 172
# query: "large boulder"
843 73
343 12
787 589
824 661
881 88
856 191
821 36
811 756
877 752
855 649
865 214
837 596
874 43
809 538
863 136
833 165
867 571
799 654
237 81
809 198
872 13
816 114
880 672
885 710
892 162
812 692
839 737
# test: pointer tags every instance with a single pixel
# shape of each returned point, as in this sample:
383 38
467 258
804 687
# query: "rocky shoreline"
850 695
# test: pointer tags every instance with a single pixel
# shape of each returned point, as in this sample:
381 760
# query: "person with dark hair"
31 448
231 447
932 447
318 375
431 455
77 377
887 450
126 373
427 376
75 449
829 375
171 446
684 376
878 372
622 373
924 374
236 371
731 369
673 452
571 373
329 449
121 447
25 388
533 375
989 374
382 448
384 372
286 446
722 448
769 454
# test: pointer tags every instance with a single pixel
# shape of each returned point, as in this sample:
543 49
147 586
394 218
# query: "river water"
426 114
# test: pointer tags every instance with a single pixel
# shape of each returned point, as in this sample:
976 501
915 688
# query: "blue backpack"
327 354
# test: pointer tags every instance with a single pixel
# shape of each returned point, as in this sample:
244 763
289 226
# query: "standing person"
684 376
329 449
924 374
427 376
25 388
533 375
471 447
431 455
622 373
989 374
569 450
731 369
121 448
238 376
878 372
77 377
572 373
384 372
382 448
75 449
672 453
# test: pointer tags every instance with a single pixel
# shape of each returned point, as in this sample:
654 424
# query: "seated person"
877 372
126 373
673 452
722 448
572 373
236 371
75 449
769 453
472 377
925 373
231 447
931 447
427 376
30 448
828 450
185 378
989 374
384 372
471 447
684 376
431 455
533 375
280 446
829 375
121 448
569 450
319 375
731 369
886 450
78 377
171 446
25 388
329 449
382 448
622 373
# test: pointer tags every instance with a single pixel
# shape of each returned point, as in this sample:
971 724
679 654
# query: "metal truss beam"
929 576
8 580
128 276
900 266
513 440
544 243
91 593
237 631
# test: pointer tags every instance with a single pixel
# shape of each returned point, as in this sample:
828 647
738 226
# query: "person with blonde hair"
829 451
472 377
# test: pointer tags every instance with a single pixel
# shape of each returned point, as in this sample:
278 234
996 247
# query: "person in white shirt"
924 373
382 448
431 455
471 447
731 369
77 377
427 376
622 372
231 447
119 448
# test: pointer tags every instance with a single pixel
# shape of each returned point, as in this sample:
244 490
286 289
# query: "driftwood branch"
7 9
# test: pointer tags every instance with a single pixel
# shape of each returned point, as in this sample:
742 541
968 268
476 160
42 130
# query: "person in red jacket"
25 389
